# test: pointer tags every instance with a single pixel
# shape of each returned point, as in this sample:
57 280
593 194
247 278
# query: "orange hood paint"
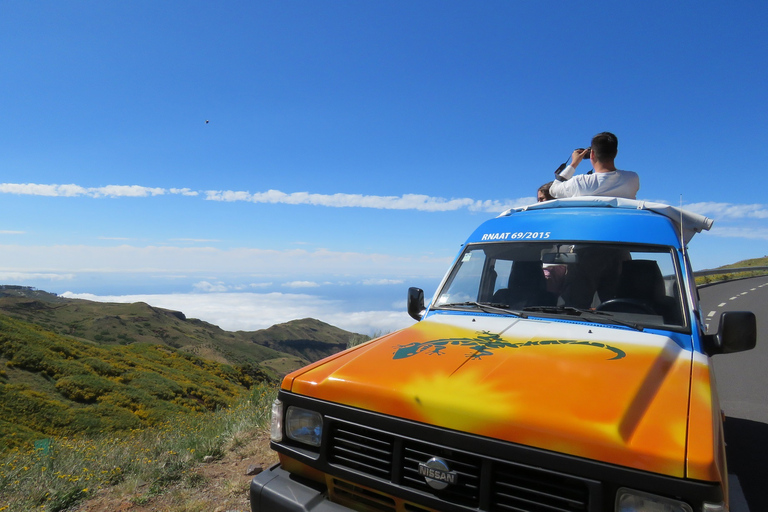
566 387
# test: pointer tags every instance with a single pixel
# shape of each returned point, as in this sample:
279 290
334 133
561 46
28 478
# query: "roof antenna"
682 242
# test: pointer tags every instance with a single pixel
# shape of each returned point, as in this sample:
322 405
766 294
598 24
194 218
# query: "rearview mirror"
737 332
416 303
559 257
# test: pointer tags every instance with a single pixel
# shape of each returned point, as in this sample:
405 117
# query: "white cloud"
377 282
728 211
221 287
34 189
740 232
184 192
419 202
404 202
227 195
72 190
253 311
14 277
125 191
301 284
340 200
205 286
195 240
8 232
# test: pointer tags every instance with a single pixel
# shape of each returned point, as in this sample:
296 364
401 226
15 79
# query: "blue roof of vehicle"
593 219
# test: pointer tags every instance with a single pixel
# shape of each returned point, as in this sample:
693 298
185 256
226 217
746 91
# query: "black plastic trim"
276 490
602 479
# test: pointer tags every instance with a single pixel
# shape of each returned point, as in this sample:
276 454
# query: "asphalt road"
742 383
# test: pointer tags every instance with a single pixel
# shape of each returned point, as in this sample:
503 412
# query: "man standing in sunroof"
605 181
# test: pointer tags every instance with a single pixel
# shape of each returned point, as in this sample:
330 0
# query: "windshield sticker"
466 257
485 343
518 235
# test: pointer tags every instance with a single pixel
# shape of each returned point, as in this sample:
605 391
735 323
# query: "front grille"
517 487
482 482
362 449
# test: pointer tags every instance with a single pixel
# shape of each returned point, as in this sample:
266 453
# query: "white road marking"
721 304
711 314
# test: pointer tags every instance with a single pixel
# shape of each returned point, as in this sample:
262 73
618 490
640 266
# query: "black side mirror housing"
416 303
737 332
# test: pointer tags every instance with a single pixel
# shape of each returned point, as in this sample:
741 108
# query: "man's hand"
577 157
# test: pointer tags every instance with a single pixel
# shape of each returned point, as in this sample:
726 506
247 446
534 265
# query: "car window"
640 283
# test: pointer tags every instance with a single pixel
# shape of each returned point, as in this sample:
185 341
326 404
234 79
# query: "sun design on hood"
454 400
486 342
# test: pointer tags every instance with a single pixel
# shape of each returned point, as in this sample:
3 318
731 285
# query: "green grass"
66 470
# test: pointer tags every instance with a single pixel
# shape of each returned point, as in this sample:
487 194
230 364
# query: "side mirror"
737 332
416 303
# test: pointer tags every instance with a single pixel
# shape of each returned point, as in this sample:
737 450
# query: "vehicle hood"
610 394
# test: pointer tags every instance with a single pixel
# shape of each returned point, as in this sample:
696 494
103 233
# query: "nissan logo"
437 474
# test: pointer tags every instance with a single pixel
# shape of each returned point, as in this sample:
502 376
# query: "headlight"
276 427
628 500
304 426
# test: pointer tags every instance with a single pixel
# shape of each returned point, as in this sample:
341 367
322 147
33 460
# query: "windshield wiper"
604 316
558 310
487 307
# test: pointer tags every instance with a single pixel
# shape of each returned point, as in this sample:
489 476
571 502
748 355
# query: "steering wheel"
626 306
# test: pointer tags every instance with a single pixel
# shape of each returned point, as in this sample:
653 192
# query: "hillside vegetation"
726 275
77 367
192 463
53 385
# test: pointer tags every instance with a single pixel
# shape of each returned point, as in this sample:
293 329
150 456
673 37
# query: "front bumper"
276 490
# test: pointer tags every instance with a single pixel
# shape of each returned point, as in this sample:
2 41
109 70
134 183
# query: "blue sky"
350 146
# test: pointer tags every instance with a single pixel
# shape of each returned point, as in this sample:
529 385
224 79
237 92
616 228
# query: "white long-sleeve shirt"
614 184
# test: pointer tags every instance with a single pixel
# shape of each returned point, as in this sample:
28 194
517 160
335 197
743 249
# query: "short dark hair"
605 146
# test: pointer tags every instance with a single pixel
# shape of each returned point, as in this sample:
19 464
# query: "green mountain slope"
754 262
726 275
307 338
276 350
54 385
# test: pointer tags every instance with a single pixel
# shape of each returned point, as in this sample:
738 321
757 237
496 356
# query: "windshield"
634 284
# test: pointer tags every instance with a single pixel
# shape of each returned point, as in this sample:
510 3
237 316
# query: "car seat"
527 287
641 283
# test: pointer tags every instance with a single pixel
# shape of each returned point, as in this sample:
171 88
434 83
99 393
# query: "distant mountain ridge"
277 350
308 338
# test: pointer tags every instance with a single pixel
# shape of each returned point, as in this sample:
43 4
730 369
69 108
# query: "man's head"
605 145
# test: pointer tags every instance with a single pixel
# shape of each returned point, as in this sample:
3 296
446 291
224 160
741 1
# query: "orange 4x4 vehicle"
562 366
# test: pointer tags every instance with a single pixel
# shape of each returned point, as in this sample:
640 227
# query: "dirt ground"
218 486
